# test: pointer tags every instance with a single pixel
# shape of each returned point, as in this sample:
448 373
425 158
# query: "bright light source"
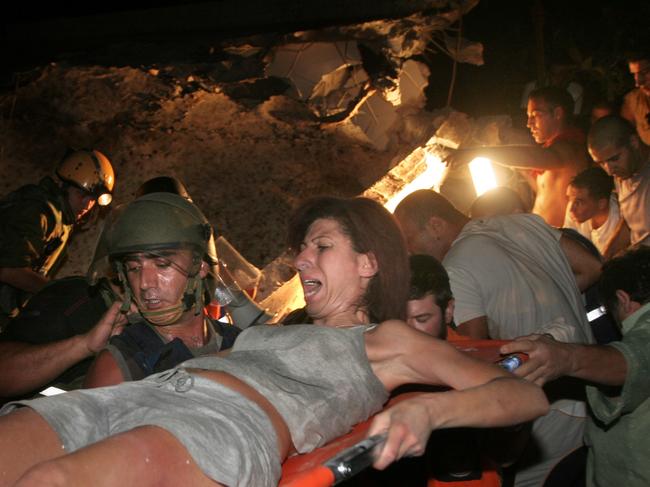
431 178
104 199
482 175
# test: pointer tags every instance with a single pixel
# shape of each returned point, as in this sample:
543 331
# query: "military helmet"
159 221
163 184
156 222
89 170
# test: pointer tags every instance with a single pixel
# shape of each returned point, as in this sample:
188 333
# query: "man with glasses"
615 145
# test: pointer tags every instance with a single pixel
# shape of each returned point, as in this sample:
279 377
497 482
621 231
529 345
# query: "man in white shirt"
511 275
593 209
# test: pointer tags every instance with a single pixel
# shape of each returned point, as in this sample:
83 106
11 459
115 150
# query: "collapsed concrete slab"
338 92
413 79
455 129
305 64
372 122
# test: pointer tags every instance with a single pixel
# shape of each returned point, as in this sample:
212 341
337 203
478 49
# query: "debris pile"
252 126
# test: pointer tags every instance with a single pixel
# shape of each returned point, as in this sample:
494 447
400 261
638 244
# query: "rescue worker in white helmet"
36 221
161 247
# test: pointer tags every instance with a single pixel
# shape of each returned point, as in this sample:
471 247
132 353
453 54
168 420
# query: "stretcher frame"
311 469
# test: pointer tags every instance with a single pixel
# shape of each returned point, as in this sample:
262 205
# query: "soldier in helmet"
161 248
55 338
36 222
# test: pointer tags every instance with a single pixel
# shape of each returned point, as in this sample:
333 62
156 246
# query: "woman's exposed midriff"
285 445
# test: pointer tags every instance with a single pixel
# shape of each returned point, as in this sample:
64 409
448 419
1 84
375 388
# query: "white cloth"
599 236
634 201
512 270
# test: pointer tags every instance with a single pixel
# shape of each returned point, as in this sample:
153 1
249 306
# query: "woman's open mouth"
310 287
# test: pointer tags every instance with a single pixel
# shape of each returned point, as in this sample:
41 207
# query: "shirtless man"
558 157
636 105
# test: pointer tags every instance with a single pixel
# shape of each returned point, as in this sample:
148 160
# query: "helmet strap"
128 294
195 286
193 297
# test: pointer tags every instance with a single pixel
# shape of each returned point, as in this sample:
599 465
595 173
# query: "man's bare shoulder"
572 154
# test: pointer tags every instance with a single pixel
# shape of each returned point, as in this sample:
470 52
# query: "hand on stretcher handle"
354 459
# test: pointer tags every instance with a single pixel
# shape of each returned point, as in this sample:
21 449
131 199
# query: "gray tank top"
318 378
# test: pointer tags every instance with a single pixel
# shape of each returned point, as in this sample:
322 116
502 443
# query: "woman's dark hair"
629 272
371 229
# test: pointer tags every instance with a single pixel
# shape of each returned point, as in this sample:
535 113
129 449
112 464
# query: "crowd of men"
527 277
503 272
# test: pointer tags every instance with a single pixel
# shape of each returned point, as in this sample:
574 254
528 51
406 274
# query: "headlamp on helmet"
90 171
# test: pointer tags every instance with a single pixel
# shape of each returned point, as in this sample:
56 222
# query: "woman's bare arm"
502 401
400 355
484 394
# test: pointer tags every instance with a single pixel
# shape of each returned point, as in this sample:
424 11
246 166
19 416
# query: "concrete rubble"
252 126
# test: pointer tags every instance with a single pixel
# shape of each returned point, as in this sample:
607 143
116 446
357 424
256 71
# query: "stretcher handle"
353 460
341 467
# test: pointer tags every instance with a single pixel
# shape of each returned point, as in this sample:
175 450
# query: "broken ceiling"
252 125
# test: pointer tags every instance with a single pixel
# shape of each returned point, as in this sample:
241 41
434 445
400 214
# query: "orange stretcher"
323 467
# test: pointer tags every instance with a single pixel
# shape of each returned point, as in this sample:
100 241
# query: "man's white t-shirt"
600 236
634 202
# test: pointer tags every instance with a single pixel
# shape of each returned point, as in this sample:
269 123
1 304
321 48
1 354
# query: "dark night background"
589 36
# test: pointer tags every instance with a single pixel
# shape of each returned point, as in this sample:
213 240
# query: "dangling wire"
455 63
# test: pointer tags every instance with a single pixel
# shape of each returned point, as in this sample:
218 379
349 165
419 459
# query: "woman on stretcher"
231 420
